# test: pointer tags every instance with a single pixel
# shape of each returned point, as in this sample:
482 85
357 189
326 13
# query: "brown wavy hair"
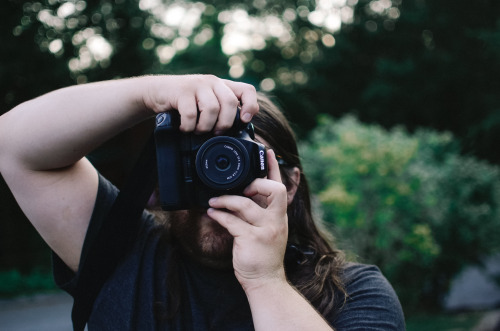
312 263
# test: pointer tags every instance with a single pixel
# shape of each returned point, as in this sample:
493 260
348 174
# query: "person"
255 261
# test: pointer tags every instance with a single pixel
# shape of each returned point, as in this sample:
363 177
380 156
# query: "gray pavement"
43 312
52 312
475 287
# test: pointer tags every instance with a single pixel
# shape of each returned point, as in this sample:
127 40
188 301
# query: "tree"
409 203
431 64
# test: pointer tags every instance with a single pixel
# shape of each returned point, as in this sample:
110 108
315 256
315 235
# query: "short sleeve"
372 303
64 277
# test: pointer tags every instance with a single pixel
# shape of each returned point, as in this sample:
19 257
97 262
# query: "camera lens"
222 163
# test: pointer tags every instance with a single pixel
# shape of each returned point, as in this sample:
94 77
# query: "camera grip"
169 166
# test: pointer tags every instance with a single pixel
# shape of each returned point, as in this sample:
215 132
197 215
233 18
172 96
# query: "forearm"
43 141
278 306
59 128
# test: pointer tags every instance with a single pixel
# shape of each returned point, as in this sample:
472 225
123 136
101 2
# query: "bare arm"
260 234
276 305
43 142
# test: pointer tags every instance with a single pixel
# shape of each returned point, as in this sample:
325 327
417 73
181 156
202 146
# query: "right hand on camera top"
204 102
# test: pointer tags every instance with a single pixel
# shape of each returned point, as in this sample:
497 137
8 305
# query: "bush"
14 283
409 203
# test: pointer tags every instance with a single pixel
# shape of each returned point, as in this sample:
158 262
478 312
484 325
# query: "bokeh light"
174 27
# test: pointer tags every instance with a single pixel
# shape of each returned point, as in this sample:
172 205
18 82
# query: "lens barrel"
222 163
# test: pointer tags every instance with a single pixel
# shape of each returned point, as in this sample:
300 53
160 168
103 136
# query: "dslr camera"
194 168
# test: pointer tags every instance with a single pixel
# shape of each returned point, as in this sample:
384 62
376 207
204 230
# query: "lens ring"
222 163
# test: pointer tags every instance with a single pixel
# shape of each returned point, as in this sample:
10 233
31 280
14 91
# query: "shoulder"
357 275
371 303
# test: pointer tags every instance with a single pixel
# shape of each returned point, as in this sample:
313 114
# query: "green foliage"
409 203
13 283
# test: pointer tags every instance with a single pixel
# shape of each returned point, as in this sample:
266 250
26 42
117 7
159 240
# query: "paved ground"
52 312
44 312
475 288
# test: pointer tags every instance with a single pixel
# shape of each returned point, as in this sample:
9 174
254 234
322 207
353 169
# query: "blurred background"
396 105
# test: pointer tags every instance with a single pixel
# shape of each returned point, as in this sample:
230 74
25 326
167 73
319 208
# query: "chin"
202 237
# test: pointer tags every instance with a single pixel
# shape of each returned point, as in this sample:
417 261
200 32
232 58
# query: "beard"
205 240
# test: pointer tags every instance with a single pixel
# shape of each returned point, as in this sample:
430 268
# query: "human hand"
259 224
204 102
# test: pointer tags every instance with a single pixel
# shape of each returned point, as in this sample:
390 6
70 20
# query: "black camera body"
194 168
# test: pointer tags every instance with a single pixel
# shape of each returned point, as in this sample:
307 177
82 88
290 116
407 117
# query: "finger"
228 105
247 95
241 206
234 225
208 107
273 172
189 113
273 191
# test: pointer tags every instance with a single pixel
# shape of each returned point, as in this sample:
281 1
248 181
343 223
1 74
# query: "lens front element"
222 163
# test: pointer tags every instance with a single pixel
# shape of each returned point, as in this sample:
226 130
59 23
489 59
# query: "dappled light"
176 27
93 49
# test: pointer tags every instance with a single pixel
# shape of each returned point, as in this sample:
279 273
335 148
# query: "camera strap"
115 235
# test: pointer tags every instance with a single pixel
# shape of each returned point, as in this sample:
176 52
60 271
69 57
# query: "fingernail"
218 132
247 117
212 201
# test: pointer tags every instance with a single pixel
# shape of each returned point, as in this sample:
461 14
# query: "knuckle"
224 218
274 234
208 107
190 115
210 78
253 236
255 109
247 204
232 103
197 80
280 188
251 88
233 100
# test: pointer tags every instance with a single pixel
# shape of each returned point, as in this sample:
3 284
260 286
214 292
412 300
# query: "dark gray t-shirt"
136 295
